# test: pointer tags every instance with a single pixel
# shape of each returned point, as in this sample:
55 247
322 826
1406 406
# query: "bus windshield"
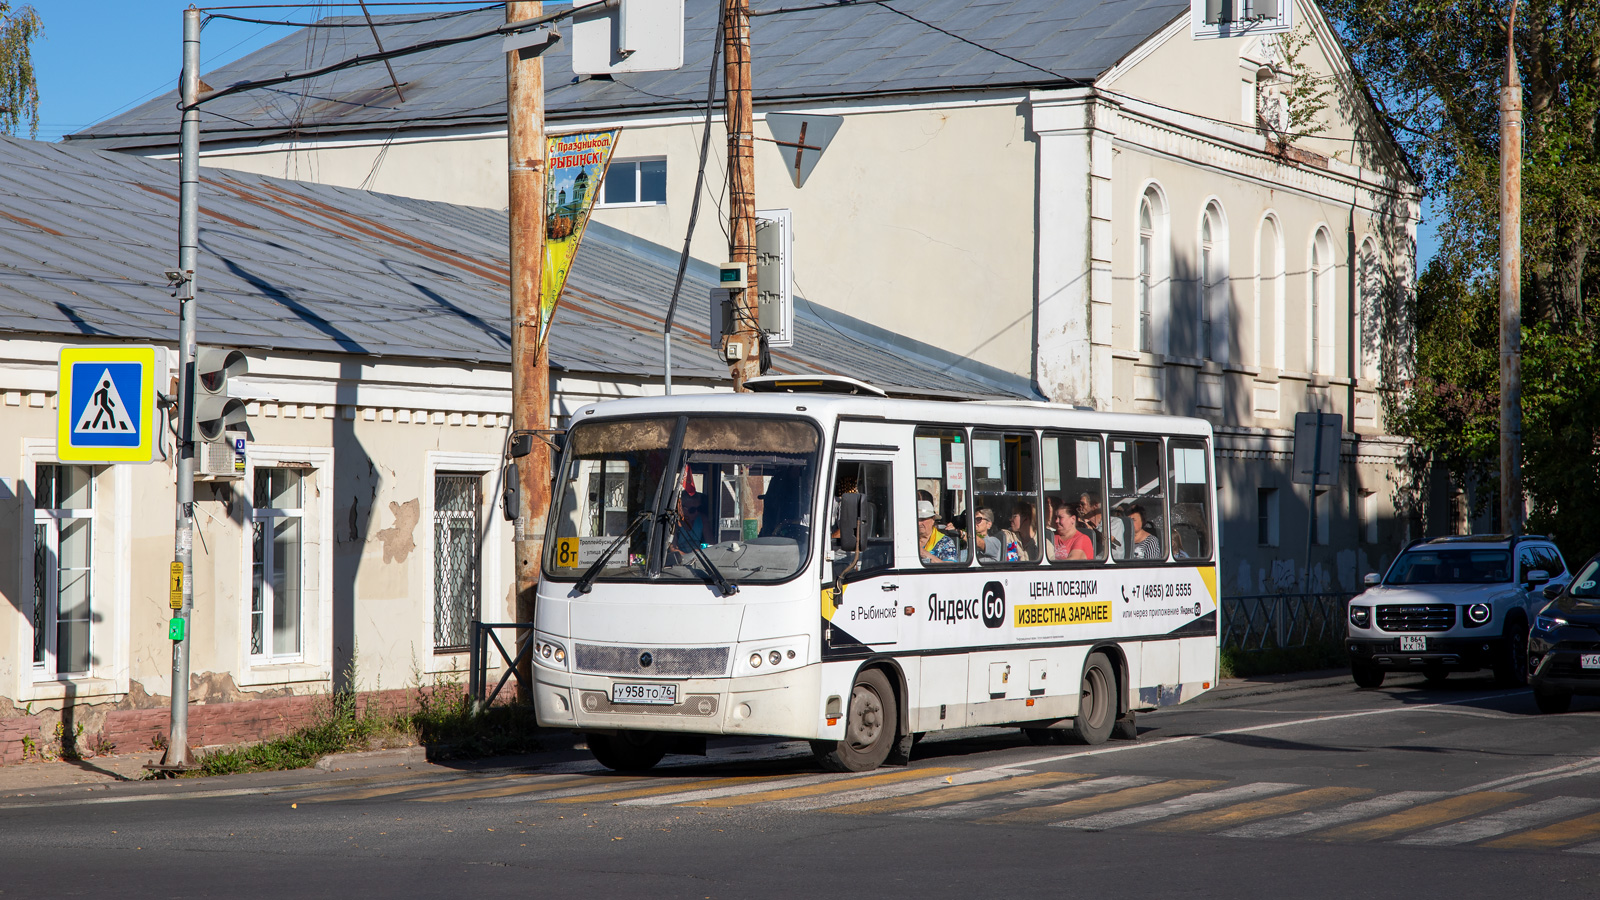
1432 566
685 498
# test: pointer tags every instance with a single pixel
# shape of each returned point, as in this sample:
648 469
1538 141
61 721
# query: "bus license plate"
1413 643
649 694
1589 660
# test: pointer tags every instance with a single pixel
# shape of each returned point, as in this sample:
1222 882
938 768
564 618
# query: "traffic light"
216 416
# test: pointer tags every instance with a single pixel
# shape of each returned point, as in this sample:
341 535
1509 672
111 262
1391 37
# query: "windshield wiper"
587 578
727 587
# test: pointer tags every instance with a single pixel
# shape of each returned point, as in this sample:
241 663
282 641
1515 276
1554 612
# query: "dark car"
1564 645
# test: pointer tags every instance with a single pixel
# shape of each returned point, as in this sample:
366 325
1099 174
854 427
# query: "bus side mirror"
521 445
511 493
852 523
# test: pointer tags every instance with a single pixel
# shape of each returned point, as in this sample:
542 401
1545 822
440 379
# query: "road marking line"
655 790
1587 766
973 809
917 794
570 785
718 793
1501 822
1251 729
1139 815
463 785
1435 813
385 791
1083 806
1551 836
1271 807
812 790
1327 818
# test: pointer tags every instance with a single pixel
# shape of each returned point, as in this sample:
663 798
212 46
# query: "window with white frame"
1322 272
457 560
636 182
1213 282
278 563
1147 240
1269 295
1367 512
63 576
1369 281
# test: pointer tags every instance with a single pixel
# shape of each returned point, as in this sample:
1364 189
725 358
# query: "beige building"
1077 193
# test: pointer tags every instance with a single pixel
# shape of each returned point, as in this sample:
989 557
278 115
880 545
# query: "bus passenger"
1022 529
989 546
934 546
1144 543
1068 542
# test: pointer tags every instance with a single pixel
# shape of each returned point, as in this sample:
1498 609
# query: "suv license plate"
1589 660
648 694
1410 643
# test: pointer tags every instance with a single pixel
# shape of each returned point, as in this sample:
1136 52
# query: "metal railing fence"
1269 621
484 635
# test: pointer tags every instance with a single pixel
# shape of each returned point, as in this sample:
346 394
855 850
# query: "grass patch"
1238 663
439 718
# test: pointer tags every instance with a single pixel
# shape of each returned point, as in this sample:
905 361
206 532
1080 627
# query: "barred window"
456 559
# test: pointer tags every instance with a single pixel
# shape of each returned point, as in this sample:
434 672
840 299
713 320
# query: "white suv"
1453 604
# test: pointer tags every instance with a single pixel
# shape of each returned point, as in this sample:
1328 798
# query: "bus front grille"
663 662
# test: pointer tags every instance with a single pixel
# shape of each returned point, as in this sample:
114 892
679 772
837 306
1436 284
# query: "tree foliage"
19 93
1436 69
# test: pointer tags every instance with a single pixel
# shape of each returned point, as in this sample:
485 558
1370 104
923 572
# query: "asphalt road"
1461 790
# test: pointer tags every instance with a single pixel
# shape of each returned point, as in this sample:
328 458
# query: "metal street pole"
530 360
741 187
1511 505
177 754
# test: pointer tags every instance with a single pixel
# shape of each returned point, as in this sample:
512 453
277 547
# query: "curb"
1312 681
400 756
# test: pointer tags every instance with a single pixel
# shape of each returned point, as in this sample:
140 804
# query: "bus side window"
1004 478
1190 534
874 481
1138 510
944 525
1073 480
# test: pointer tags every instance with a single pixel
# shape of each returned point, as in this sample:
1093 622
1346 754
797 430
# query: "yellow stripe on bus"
827 787
1435 813
1083 806
1560 834
940 794
1240 813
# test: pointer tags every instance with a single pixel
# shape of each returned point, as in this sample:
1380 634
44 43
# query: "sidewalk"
92 773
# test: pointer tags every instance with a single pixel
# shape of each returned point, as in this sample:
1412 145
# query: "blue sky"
101 57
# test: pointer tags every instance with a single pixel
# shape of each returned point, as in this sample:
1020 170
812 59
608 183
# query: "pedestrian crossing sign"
106 404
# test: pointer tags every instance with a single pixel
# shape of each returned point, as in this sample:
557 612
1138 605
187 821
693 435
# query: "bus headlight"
755 660
549 653
772 655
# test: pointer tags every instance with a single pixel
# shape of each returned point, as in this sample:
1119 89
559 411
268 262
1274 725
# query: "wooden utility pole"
530 359
741 189
1511 506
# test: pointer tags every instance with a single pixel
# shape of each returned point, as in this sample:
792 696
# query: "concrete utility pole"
530 356
1511 505
741 188
177 754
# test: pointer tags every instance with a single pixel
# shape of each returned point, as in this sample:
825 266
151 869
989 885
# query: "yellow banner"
575 169
1038 614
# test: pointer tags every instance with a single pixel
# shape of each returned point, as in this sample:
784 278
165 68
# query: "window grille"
456 501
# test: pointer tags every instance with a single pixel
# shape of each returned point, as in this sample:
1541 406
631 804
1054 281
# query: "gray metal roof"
293 266
839 52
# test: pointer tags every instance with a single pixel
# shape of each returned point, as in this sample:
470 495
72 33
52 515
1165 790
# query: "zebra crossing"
1017 796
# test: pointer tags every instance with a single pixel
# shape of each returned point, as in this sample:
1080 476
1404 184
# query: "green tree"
19 93
1435 68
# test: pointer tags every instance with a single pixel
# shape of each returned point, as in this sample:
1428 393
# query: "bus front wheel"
870 726
1097 702
628 751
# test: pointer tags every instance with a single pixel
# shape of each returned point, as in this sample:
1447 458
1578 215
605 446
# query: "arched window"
1146 280
1369 282
1213 285
1269 311
1153 272
1320 345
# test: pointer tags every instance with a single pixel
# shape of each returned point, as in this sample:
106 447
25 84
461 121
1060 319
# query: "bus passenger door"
865 610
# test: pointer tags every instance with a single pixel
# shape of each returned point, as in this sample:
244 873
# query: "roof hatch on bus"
811 384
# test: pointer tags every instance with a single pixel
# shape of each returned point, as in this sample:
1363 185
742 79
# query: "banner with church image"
575 169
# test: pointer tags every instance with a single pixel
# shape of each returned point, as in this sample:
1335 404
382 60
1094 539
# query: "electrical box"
1211 19
618 36
733 276
774 278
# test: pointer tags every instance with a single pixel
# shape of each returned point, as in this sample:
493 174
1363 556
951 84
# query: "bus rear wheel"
869 730
1097 702
628 751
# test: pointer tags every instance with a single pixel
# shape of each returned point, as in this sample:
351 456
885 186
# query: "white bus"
818 561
